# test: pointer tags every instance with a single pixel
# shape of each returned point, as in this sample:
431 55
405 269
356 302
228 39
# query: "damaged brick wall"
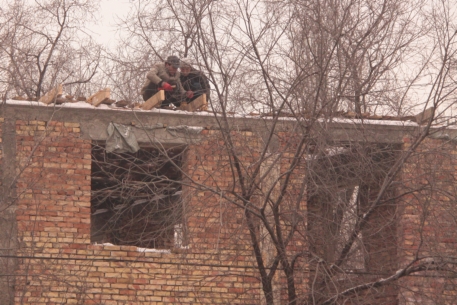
340 191
57 262
53 205
428 222
216 224
8 203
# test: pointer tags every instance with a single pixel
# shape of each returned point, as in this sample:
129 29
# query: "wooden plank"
204 107
154 101
184 106
97 98
51 96
199 102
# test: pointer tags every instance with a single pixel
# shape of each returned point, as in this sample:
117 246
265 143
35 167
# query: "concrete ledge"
94 122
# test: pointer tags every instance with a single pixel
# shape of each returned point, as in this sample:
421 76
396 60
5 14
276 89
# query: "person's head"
185 67
172 64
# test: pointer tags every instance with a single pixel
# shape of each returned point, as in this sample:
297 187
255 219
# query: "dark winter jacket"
197 82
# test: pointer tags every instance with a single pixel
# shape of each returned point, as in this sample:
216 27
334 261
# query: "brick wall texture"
1 150
427 222
59 265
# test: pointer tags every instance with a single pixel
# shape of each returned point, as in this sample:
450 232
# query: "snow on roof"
82 104
373 122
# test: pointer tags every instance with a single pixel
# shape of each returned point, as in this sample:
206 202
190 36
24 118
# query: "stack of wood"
156 100
100 97
103 97
200 104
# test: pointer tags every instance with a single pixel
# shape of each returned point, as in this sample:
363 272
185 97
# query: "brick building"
64 241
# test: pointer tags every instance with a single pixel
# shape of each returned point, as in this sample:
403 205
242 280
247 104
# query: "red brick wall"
59 265
294 206
214 223
428 221
1 150
220 225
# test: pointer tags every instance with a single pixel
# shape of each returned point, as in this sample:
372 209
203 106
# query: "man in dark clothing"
193 80
165 76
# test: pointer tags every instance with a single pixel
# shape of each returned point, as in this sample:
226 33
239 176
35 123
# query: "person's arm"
153 75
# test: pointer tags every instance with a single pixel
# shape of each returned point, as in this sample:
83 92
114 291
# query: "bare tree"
310 61
149 33
319 212
44 44
136 197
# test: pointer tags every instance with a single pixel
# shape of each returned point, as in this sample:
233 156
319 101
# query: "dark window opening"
136 198
342 183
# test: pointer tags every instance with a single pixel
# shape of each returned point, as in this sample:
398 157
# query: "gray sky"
109 10
103 28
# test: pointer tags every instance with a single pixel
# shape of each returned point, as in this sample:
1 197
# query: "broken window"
342 183
333 214
136 198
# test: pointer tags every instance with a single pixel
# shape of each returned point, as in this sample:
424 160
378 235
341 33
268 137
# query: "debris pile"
56 96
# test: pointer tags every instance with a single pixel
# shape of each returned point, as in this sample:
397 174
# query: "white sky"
110 10
103 27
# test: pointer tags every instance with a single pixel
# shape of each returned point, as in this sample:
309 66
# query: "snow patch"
142 250
81 104
138 249
373 122
65 105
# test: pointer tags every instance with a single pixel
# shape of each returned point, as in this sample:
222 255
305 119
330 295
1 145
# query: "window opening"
136 198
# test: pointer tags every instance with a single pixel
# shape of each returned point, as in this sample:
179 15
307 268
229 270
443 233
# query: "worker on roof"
165 76
193 80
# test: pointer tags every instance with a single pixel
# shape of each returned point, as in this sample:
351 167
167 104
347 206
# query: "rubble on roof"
102 97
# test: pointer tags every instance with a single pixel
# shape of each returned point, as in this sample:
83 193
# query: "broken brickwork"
427 222
58 263
341 189
7 224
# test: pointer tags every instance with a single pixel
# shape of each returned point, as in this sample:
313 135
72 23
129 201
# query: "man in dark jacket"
193 80
165 76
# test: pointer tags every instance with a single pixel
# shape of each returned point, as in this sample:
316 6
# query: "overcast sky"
109 11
